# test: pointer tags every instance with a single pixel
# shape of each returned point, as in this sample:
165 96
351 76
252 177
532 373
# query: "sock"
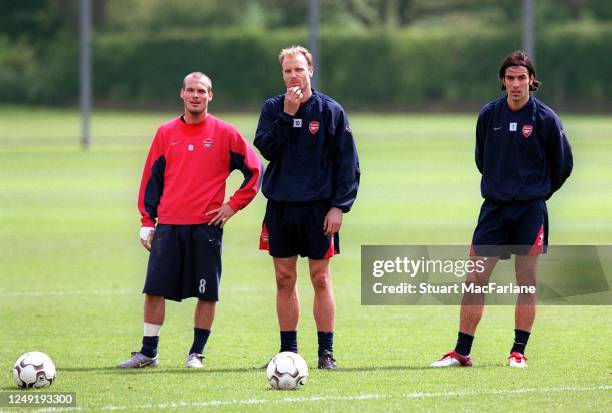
326 341
464 344
200 337
520 341
149 346
151 329
288 341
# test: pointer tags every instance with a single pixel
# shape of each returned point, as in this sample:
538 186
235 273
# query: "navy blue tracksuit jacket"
312 154
522 155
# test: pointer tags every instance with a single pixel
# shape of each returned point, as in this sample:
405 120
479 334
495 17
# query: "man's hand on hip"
222 214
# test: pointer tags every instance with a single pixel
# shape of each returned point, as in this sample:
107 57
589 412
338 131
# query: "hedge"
380 69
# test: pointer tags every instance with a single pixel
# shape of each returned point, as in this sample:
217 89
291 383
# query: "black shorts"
503 229
185 261
292 228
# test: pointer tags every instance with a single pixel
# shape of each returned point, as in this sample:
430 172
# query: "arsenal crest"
313 127
527 129
208 143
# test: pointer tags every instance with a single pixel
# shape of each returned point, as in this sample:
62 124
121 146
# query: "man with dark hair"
524 156
181 202
310 182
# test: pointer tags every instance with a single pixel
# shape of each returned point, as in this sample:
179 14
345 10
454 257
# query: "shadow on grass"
183 370
167 370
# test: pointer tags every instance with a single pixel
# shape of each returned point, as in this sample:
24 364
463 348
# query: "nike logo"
174 143
497 128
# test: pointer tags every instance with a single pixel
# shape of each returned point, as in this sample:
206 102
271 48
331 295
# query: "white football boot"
517 360
194 361
453 359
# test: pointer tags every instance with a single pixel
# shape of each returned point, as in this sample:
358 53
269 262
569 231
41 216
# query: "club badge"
527 129
313 127
208 143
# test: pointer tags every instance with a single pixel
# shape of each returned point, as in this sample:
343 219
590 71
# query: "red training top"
186 169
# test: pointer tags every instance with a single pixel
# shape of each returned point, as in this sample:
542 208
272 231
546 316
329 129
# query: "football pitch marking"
215 403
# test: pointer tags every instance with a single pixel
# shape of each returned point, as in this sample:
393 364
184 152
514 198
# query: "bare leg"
154 309
324 305
525 310
287 299
204 314
472 305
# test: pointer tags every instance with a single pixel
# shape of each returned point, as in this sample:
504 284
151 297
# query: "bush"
379 69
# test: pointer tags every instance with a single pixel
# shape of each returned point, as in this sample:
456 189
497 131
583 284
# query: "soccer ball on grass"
34 369
287 371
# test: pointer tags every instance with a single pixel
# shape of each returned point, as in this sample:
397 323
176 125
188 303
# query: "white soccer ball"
287 371
34 369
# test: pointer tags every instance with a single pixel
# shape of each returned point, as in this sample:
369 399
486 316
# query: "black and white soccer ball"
287 371
34 369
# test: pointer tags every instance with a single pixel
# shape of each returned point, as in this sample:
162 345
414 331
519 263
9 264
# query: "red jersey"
186 169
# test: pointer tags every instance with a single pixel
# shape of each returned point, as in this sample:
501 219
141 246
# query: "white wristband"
144 232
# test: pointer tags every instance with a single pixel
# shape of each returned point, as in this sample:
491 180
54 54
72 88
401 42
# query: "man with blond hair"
310 182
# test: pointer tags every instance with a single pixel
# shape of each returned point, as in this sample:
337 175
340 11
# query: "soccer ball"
34 369
287 371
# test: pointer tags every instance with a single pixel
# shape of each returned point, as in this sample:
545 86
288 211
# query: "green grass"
68 230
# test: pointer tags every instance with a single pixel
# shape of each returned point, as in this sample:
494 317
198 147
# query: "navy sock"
288 341
326 341
520 341
464 344
200 337
149 346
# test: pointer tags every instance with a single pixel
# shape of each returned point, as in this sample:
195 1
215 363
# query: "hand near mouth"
293 97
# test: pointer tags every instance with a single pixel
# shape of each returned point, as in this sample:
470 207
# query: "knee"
526 278
320 280
154 300
476 279
285 279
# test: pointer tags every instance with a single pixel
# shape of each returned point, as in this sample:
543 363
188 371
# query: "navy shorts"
292 228
503 229
185 261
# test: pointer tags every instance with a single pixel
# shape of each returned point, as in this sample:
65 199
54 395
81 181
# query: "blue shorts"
503 229
292 228
185 261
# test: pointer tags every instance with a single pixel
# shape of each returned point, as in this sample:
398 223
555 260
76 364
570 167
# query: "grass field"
71 270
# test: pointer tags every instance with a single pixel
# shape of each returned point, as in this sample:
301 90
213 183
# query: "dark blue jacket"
312 154
522 155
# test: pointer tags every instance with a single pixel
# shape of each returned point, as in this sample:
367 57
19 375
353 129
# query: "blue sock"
149 346
464 344
288 341
520 341
200 337
326 342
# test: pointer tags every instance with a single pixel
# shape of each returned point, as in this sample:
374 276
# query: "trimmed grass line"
214 403
65 293
118 291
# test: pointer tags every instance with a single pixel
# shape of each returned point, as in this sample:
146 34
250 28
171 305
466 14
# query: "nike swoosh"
174 143
497 128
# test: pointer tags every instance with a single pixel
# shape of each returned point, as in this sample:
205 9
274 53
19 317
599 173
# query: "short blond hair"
200 76
294 51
